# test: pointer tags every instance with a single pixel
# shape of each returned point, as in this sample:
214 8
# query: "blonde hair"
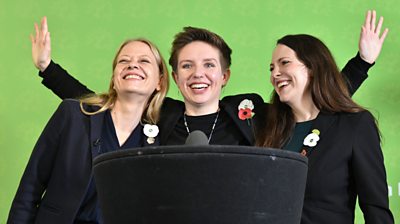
105 101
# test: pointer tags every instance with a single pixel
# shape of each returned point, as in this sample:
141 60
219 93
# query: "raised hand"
371 40
41 46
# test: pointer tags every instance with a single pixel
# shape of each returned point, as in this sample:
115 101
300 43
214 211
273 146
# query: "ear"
112 82
309 73
175 76
226 76
158 88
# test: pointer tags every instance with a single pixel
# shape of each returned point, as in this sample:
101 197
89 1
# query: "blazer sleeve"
62 83
37 173
355 72
369 173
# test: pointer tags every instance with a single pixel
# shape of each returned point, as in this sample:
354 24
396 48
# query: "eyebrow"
189 60
280 59
210 59
142 55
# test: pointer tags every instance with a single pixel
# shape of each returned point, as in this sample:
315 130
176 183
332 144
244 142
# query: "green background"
86 34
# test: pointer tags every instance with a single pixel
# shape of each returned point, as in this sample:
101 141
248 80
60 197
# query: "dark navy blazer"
57 176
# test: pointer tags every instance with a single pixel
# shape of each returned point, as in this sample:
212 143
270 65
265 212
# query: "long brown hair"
328 88
151 113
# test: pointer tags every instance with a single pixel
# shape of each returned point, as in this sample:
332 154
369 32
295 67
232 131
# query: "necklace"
212 129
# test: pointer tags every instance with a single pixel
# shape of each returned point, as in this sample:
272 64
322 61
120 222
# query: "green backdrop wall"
86 34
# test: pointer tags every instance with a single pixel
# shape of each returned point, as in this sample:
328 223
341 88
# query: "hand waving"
41 46
371 40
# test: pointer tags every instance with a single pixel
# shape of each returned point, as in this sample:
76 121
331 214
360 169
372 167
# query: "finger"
43 30
379 27
362 31
384 34
367 20
32 39
373 20
361 36
44 25
36 31
48 40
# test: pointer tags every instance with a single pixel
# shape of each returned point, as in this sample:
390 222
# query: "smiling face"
136 70
289 76
199 76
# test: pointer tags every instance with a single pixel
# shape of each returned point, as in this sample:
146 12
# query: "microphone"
196 138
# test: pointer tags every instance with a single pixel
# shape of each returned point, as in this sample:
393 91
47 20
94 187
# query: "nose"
133 65
275 73
198 72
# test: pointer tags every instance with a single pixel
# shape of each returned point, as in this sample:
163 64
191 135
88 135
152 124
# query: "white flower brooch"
311 141
246 109
151 131
312 138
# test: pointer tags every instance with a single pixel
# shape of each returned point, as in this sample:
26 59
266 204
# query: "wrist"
43 65
369 61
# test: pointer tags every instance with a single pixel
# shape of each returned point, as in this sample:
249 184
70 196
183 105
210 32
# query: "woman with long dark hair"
312 112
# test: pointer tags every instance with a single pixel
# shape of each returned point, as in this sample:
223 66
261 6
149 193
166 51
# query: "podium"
201 184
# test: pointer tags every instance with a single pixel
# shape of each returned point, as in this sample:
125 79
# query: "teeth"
198 86
283 83
133 77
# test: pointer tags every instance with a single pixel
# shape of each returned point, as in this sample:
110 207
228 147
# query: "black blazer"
65 86
346 163
172 111
57 176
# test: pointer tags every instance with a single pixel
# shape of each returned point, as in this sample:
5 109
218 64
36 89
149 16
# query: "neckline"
200 116
185 123
305 122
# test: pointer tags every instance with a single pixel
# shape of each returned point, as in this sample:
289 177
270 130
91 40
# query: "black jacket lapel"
171 111
323 122
230 105
96 124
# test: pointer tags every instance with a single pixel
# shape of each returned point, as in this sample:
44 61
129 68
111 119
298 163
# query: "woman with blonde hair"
57 185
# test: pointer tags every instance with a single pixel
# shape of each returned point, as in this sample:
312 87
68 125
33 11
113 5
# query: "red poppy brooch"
246 109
